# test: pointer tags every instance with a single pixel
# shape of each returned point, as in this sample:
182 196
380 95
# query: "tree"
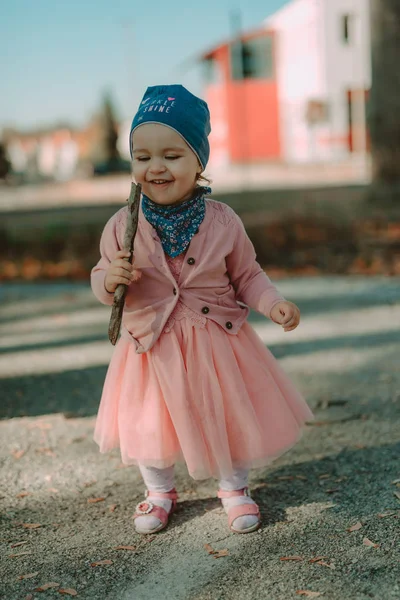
104 153
5 164
384 103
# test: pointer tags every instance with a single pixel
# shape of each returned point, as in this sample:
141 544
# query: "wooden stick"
120 291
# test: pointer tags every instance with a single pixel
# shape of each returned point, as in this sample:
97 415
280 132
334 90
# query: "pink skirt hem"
201 396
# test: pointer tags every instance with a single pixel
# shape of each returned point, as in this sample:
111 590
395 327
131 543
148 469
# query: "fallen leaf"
18 544
332 491
221 553
29 597
355 527
125 548
112 507
370 544
68 591
395 482
285 478
20 554
324 564
29 575
308 593
325 476
31 525
101 562
46 451
216 553
397 494
291 558
89 483
18 453
47 586
388 514
301 477
317 558
23 494
95 500
53 490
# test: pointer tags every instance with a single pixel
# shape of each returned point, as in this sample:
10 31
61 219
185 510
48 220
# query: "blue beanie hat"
175 107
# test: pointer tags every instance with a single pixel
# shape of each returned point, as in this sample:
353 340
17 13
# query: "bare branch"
130 233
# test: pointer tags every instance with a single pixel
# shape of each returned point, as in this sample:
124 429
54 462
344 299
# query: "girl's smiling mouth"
161 182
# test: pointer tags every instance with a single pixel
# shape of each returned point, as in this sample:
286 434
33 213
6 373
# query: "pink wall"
254 115
244 116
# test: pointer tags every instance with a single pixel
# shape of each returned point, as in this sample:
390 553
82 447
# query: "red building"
242 94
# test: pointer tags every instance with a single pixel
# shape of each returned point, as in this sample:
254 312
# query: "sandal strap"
172 495
231 494
241 511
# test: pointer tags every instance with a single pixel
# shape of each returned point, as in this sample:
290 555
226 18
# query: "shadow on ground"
306 510
78 392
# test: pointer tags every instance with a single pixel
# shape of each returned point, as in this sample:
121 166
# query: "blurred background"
305 126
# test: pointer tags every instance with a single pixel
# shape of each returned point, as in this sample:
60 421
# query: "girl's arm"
109 246
253 287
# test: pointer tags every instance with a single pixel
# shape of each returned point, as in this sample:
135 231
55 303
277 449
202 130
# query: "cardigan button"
175 292
191 261
228 325
205 310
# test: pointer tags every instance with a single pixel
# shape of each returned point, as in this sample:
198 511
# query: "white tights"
163 480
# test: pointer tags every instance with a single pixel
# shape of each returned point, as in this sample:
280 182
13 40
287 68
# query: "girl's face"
163 164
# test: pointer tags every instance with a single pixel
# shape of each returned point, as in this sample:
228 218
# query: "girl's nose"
157 166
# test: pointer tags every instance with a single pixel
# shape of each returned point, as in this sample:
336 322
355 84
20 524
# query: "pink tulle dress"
213 400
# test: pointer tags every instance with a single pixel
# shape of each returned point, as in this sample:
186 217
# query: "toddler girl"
189 378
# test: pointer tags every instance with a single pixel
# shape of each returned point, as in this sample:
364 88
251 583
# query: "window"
252 59
347 28
212 71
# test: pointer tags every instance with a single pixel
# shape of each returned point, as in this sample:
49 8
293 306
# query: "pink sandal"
241 510
147 508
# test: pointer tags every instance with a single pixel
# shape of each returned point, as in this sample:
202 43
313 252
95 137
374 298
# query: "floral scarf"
176 224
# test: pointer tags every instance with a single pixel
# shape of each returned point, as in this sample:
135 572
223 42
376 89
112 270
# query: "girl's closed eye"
144 158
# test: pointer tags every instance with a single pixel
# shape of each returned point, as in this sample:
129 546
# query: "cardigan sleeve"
253 287
109 246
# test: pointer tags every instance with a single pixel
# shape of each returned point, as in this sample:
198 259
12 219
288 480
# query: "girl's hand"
120 271
286 314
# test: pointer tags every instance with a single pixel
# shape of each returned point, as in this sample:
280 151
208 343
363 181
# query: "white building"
323 72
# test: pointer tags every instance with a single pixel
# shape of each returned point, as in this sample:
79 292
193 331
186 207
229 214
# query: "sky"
59 58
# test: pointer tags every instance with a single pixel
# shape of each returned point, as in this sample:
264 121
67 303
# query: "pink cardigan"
220 269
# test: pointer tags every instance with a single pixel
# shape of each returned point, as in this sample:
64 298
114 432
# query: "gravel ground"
343 473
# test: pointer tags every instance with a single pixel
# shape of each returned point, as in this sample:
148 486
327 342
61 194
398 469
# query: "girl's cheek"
138 173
